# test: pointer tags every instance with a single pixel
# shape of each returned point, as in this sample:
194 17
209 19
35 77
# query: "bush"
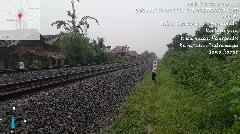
233 102
35 64
77 49
210 76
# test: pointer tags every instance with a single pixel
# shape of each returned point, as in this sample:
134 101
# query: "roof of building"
51 39
8 43
46 46
44 39
38 52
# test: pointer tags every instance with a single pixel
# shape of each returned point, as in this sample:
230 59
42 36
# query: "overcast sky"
121 25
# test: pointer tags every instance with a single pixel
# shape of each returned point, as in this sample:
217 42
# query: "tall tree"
206 31
71 25
180 42
75 45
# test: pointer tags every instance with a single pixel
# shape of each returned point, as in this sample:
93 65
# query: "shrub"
233 102
35 64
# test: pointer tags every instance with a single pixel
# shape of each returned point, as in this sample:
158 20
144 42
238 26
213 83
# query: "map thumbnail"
19 19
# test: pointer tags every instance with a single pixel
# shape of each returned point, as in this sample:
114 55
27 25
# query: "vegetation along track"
15 89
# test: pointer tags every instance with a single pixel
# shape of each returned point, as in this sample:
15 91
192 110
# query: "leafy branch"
71 26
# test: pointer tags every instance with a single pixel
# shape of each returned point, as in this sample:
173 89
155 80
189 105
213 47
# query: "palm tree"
71 26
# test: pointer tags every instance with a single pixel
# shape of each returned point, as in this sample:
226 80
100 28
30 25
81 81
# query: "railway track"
15 71
15 89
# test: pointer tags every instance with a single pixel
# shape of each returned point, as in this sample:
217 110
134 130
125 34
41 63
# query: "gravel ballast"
31 75
86 106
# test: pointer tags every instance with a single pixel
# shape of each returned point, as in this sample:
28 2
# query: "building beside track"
32 52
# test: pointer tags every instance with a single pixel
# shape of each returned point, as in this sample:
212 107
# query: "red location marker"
20 15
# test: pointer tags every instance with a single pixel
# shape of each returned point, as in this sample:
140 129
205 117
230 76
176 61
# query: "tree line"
214 75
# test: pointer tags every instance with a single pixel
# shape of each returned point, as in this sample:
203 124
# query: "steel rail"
21 88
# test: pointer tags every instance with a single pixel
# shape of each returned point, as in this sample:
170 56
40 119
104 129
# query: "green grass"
168 108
